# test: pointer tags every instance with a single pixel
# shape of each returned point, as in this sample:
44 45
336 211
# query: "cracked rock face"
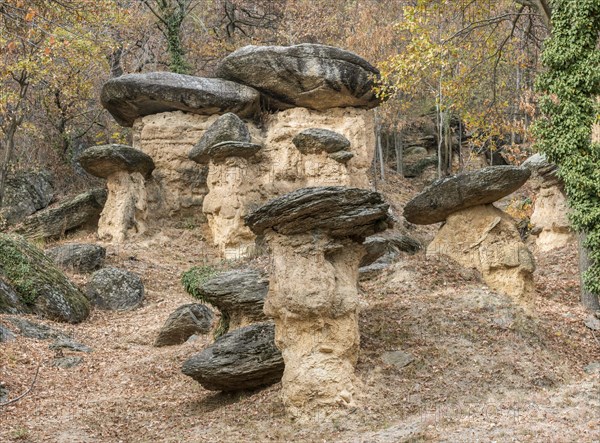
132 96
448 195
307 75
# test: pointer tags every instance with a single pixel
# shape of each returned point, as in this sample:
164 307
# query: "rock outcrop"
307 75
25 193
40 287
242 359
115 289
125 170
316 140
184 322
316 236
78 257
132 96
80 211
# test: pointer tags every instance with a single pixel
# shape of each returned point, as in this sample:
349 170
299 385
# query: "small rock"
67 362
397 358
30 329
184 322
67 343
315 140
592 368
3 393
228 127
6 334
115 289
414 151
371 271
593 323
342 156
78 257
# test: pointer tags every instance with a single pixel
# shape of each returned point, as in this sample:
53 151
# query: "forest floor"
484 368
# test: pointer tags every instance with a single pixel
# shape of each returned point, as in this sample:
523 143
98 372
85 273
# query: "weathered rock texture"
486 238
184 322
25 193
39 286
316 236
462 191
307 75
242 359
80 211
115 289
78 257
131 96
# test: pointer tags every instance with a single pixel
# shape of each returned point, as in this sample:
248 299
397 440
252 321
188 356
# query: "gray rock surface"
307 75
78 257
10 302
131 96
341 156
315 140
38 331
185 321
82 210
69 344
6 334
228 127
335 210
40 286
448 195
223 150
67 362
103 161
246 358
115 289
539 166
25 193
399 359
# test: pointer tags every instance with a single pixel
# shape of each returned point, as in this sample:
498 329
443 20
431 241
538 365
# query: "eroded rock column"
316 235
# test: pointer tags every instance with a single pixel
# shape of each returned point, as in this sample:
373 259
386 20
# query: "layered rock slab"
184 322
25 193
132 96
78 257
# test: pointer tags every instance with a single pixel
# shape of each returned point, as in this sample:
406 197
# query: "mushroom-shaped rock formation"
246 358
239 295
476 233
341 156
550 217
132 96
227 128
316 236
307 75
448 195
315 140
125 169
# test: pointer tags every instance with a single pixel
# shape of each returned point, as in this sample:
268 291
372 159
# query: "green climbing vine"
569 106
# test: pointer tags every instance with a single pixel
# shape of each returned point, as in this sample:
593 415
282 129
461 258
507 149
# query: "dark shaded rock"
539 166
336 210
185 321
3 393
78 257
228 127
26 192
10 302
415 151
103 161
82 210
415 169
406 243
38 283
30 329
342 156
448 195
221 151
371 271
375 248
131 96
67 343
315 140
307 75
246 358
115 289
6 334
67 362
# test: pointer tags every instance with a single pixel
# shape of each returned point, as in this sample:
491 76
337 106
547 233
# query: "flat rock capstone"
315 140
307 75
246 358
132 96
336 210
105 160
78 257
227 128
443 197
115 289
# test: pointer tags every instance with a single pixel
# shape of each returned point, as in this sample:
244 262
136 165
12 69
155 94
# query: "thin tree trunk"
588 300
398 146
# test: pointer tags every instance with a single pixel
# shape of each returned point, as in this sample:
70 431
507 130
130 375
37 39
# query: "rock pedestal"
316 235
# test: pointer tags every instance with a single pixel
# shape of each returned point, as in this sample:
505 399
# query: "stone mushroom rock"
316 236
243 359
239 295
227 128
132 96
115 289
315 140
448 195
78 257
41 288
308 75
184 322
126 170
80 211
224 150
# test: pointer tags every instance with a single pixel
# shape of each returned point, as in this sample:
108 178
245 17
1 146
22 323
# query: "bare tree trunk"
588 300
9 146
399 148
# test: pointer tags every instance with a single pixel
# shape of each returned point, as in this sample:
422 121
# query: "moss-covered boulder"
40 287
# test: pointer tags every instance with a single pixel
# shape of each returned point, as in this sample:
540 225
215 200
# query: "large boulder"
115 289
307 75
227 128
131 96
78 257
315 140
335 210
82 210
451 194
41 288
106 160
184 322
10 302
26 192
246 358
